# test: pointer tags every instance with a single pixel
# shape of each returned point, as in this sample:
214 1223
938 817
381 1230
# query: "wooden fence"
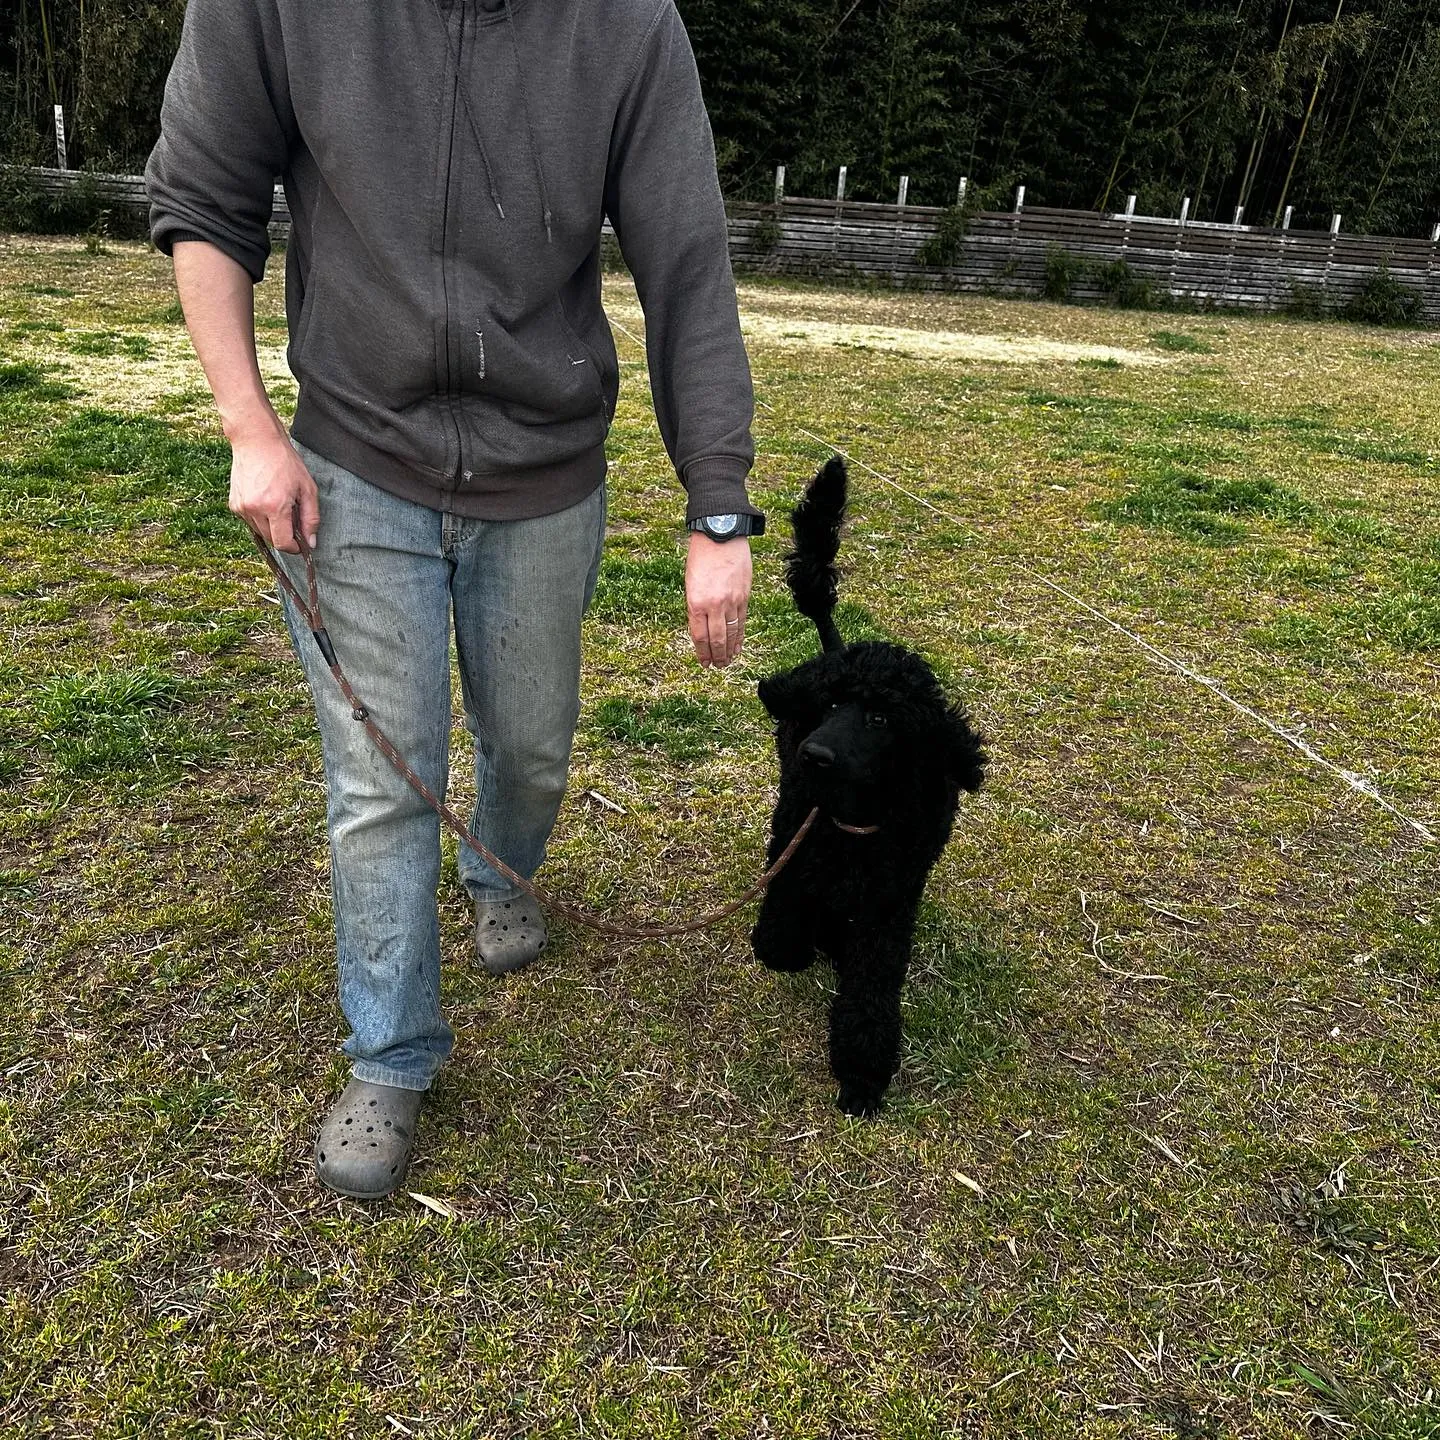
1000 252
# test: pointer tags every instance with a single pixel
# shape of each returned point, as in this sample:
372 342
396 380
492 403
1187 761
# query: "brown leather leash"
626 930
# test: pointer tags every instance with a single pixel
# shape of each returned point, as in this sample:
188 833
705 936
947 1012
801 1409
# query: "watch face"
722 524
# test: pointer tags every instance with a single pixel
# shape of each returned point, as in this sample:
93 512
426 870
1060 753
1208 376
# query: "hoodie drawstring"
529 128
474 127
465 101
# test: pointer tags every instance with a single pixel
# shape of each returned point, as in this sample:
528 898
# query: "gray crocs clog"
365 1141
509 934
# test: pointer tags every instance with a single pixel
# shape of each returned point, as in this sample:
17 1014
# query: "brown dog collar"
853 829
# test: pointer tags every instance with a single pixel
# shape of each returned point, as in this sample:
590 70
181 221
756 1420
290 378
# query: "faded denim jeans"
391 574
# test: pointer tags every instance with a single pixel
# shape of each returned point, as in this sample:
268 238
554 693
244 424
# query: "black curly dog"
865 732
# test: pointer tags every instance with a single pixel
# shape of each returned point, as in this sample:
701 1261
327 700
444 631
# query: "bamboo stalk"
1309 111
1134 112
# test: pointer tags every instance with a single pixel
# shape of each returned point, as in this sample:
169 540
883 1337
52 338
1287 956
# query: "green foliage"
1115 279
1124 287
942 250
1062 271
25 207
766 234
1383 300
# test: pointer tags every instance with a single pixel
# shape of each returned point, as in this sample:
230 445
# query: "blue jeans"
391 574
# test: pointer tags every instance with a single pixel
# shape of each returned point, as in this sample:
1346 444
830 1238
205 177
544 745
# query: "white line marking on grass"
1358 783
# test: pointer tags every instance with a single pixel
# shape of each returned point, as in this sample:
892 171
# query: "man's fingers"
700 636
719 638
309 511
734 635
282 530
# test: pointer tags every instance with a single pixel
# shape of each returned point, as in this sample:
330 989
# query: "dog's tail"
810 568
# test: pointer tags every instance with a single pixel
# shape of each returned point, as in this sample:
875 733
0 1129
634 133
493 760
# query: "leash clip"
322 639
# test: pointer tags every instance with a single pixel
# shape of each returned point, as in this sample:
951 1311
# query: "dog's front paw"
863 1104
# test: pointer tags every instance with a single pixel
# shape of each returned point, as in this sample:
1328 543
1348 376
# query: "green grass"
112 720
105 343
683 729
1181 343
1199 506
1161 1158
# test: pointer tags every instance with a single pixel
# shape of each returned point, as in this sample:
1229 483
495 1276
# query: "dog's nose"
817 754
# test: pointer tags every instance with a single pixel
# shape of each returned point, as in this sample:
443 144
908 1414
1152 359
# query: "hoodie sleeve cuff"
166 232
716 486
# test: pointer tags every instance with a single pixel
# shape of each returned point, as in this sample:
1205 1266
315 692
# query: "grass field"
1164 1157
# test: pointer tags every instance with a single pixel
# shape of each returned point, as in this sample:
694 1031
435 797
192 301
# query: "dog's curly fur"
866 733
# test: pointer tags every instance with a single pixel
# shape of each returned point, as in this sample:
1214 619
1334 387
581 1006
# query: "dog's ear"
965 759
791 694
784 695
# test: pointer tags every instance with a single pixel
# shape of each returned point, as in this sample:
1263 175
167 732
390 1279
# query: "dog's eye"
876 719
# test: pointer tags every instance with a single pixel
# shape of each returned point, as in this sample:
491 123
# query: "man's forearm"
270 489
218 299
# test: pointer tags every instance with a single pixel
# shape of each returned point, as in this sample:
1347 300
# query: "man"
447 165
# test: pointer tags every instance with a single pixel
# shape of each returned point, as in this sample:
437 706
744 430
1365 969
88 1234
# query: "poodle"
865 733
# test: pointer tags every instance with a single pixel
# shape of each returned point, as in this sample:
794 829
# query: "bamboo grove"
1324 105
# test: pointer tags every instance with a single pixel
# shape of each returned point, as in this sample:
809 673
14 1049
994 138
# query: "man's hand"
267 481
717 594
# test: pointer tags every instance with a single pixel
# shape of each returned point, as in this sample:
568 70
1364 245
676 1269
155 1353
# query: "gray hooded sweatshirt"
447 165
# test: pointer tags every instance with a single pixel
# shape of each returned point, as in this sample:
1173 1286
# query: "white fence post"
1239 216
1435 236
60 135
1179 240
779 183
1019 198
960 191
840 188
1289 211
904 190
1129 206
1334 224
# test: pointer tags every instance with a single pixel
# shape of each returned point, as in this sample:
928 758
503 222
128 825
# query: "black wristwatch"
727 527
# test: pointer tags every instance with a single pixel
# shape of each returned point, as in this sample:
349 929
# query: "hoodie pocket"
584 354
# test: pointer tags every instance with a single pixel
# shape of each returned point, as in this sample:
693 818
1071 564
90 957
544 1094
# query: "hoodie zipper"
445 373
